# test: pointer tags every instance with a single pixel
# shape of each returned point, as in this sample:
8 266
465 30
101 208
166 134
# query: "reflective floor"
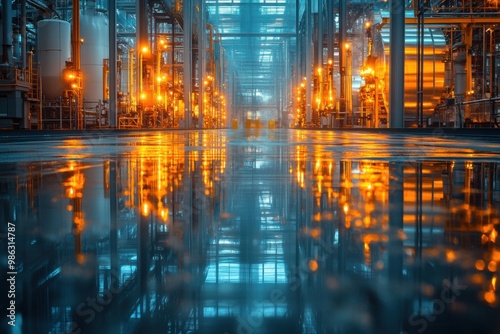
251 231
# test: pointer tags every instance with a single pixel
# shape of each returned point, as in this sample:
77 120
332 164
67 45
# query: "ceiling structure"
257 36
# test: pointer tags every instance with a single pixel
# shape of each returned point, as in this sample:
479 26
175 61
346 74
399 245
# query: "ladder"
34 95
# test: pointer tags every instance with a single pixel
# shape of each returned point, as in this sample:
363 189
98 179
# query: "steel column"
397 59
112 110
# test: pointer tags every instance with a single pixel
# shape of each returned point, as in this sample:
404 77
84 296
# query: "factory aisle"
250 231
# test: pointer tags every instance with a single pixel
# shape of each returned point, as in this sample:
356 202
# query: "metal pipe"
75 43
297 46
397 56
308 43
492 62
132 91
420 63
202 68
460 86
319 56
188 57
342 65
7 32
112 108
23 34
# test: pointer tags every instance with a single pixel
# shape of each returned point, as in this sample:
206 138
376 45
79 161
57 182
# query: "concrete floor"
251 231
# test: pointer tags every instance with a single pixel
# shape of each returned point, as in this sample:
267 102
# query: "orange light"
164 214
315 233
145 49
492 266
145 209
313 265
480 265
490 297
450 256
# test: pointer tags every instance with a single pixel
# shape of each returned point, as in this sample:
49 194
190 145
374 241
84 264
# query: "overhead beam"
38 5
254 34
449 20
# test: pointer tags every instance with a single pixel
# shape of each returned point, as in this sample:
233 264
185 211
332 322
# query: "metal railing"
481 113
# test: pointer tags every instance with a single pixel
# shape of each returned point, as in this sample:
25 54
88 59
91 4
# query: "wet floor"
250 231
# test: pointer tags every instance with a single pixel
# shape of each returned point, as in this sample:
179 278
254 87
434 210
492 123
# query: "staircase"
382 109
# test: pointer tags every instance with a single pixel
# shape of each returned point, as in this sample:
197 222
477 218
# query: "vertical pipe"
308 65
141 43
187 36
172 73
342 60
23 35
286 89
420 66
348 85
202 65
468 31
483 85
460 81
75 42
7 32
132 90
112 110
330 32
297 45
319 56
492 63
142 25
397 56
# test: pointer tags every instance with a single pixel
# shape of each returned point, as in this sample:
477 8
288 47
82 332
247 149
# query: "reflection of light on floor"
230 272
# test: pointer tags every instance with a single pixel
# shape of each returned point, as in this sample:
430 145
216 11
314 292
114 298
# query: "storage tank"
95 47
434 51
54 49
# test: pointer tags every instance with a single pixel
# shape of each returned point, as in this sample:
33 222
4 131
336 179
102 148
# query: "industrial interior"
250 167
222 63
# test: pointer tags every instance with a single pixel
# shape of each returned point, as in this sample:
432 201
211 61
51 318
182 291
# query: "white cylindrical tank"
94 32
54 49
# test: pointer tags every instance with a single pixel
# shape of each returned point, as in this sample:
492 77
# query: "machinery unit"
377 70
54 50
94 49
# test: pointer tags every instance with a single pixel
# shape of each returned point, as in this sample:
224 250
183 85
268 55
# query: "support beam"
308 64
188 56
342 60
112 112
201 65
6 32
23 34
445 20
75 43
397 58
